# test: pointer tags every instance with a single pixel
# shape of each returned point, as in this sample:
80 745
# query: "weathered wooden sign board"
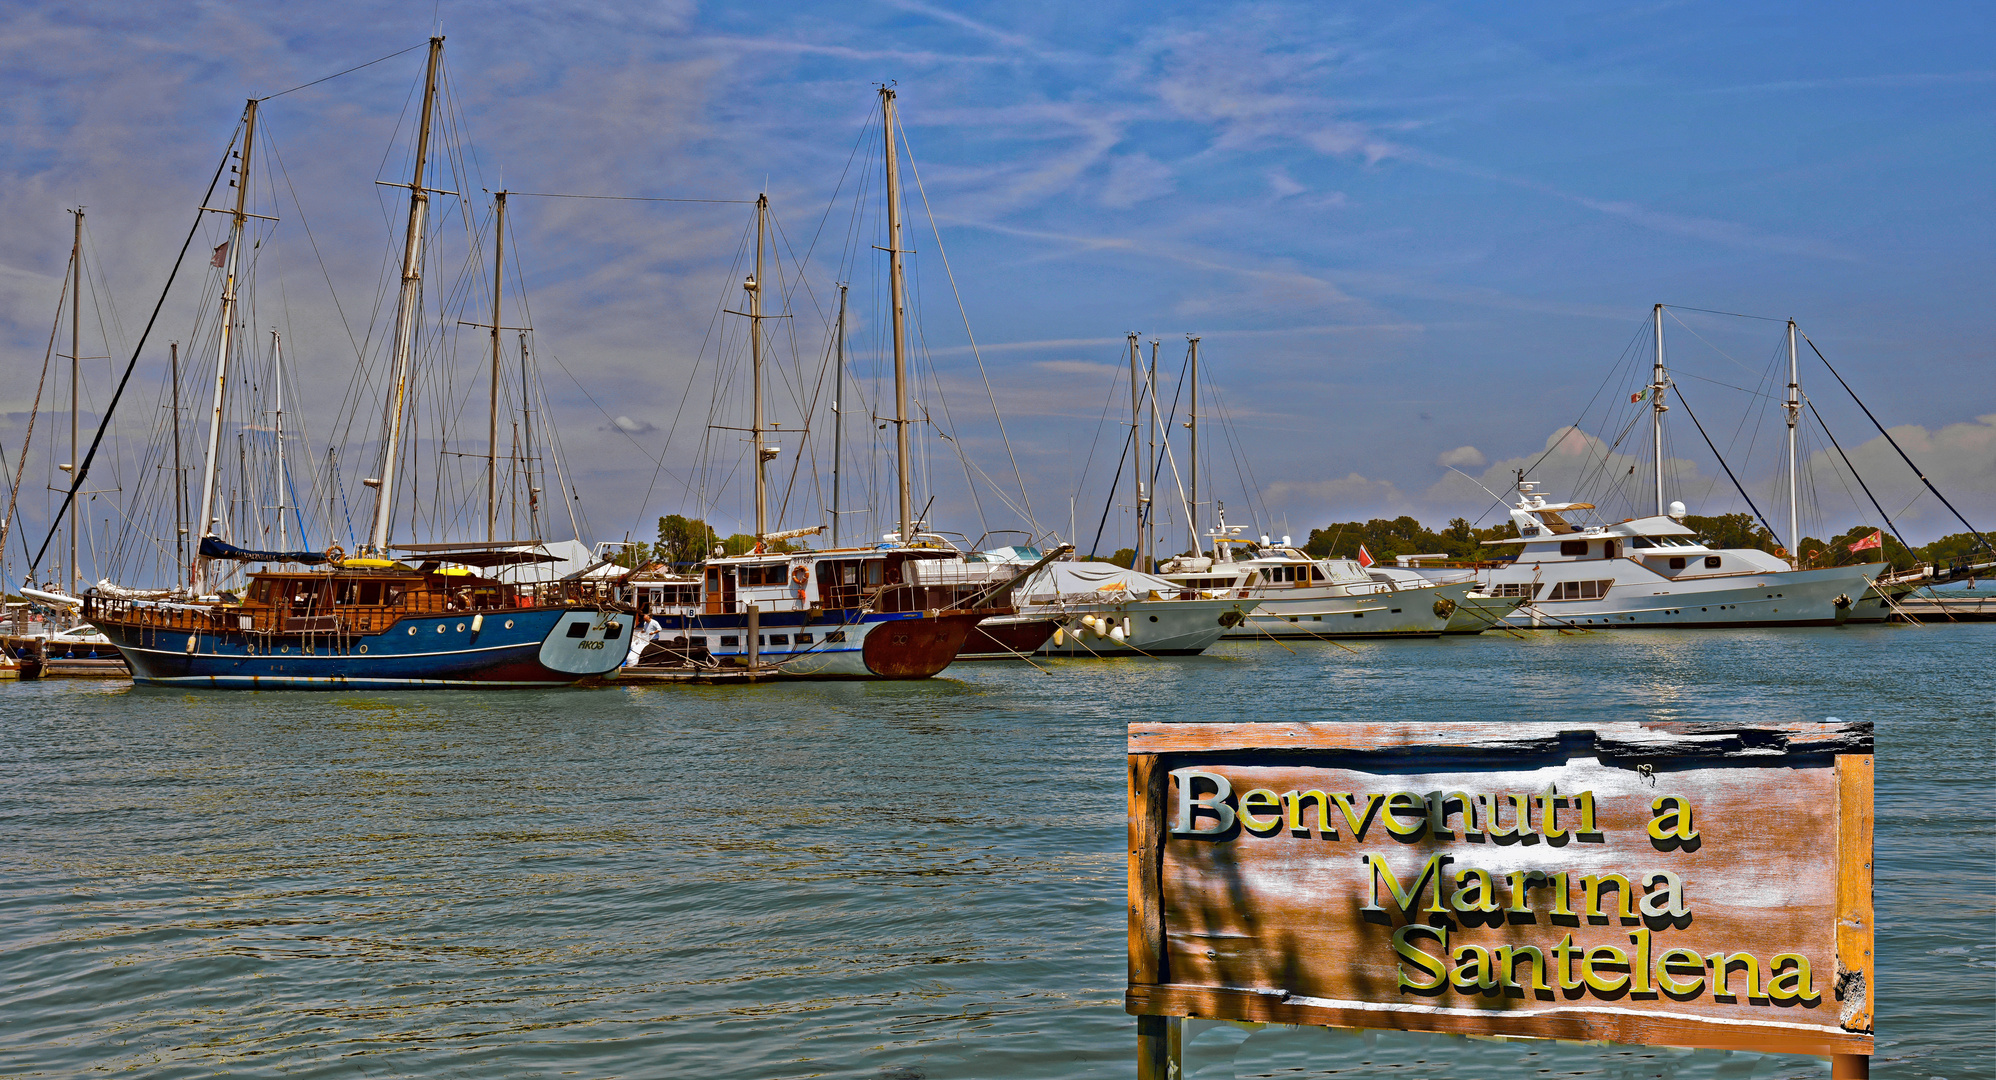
1697 885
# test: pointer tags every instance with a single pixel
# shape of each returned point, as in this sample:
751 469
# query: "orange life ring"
799 575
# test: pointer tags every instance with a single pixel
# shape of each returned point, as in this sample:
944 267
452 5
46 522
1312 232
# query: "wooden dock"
1933 609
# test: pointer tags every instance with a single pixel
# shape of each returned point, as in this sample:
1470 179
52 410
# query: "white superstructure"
1651 571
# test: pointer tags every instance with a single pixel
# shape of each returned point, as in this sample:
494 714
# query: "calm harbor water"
887 881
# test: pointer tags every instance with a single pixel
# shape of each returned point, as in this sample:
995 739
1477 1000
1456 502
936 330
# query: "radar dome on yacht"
1677 511
1285 540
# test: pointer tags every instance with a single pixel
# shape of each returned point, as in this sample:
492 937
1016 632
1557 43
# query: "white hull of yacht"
1791 598
1150 627
1397 613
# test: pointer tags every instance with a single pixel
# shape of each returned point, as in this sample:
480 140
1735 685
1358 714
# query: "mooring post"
754 636
1160 1048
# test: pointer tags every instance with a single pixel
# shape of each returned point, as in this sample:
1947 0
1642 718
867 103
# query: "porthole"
412 631
363 648
460 628
1153 618
440 628
509 624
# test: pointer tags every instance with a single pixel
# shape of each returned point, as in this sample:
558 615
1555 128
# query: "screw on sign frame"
1694 885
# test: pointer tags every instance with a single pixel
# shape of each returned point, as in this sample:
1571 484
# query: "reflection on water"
873 880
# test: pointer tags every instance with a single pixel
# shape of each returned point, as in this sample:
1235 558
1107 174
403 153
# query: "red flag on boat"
1364 556
221 255
1635 397
1872 541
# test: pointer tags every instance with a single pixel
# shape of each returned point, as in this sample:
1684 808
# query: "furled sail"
214 548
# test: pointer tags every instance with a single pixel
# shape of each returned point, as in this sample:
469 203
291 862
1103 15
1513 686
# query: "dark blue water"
877 881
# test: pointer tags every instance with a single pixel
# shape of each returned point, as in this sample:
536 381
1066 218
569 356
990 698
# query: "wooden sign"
1697 885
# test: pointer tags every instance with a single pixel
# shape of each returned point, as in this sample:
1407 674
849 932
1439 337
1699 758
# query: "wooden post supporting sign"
1694 885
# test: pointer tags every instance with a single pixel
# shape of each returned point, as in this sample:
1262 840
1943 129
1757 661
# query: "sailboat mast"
75 383
1794 414
527 461
1136 445
897 293
204 526
492 404
179 477
1657 408
408 309
1192 425
277 363
838 410
1150 461
755 366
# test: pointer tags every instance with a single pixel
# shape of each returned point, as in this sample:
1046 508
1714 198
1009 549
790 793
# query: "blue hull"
504 648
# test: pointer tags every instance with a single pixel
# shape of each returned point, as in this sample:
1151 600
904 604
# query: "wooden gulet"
375 621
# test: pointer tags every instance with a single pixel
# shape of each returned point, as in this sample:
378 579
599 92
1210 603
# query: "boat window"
613 631
260 591
1579 590
1712 561
1514 588
1677 563
779 639
698 643
1641 542
392 593
730 641
1573 547
803 639
578 629
764 574
836 636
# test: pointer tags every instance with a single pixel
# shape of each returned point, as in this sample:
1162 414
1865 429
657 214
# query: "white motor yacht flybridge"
1303 597
1652 571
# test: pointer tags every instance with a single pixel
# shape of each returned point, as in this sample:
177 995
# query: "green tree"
682 540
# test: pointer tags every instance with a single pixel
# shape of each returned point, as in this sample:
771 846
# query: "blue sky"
1407 234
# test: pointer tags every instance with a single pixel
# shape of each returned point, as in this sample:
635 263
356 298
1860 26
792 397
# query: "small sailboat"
394 616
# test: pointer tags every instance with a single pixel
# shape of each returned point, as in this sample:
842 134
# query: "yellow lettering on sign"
1438 804
1624 903
1259 799
1474 890
1507 959
1399 807
1293 810
1357 819
1790 983
1472 969
1672 820
1680 959
1521 826
1431 877
1604 954
1431 964
1722 966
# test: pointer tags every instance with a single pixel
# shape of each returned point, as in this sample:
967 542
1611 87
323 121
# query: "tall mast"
897 292
1150 461
492 409
204 526
75 382
754 287
1657 409
1794 414
179 477
527 461
1136 449
838 410
277 363
408 309
1192 425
